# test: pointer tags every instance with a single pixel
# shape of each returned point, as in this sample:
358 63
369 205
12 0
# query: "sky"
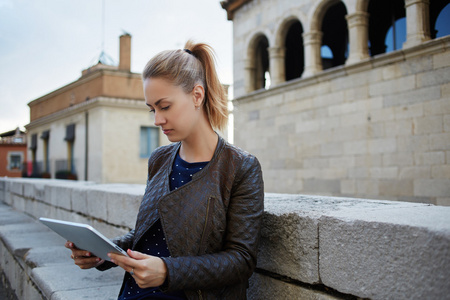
45 44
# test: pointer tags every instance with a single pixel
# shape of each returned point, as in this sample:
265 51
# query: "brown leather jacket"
211 224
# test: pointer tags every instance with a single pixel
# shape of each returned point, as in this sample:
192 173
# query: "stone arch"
290 48
257 62
318 12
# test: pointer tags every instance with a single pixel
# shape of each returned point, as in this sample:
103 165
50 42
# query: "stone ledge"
38 266
362 248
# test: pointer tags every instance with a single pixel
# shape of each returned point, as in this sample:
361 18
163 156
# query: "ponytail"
189 67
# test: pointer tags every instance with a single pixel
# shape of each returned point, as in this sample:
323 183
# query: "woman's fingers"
82 258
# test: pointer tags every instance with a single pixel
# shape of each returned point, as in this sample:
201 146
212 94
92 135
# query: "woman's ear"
198 94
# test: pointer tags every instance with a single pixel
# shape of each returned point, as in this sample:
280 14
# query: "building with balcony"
96 128
13 153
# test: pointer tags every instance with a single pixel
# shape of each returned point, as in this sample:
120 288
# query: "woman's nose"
159 119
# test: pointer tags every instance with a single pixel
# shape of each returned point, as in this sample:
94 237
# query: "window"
15 161
149 141
294 59
262 64
439 18
335 36
70 138
387 25
45 137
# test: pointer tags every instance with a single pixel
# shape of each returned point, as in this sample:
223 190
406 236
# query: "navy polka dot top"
154 242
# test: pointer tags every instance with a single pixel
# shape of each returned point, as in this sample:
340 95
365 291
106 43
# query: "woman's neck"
200 146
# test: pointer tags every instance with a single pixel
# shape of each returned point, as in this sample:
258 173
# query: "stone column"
276 65
358 30
312 42
417 22
249 76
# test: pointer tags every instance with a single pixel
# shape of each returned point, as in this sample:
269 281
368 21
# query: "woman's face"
175 111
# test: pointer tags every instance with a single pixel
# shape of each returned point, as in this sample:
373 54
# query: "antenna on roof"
103 26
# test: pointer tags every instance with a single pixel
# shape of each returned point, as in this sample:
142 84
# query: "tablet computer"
84 237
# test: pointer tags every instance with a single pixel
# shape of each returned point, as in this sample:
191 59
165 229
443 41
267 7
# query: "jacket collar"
220 145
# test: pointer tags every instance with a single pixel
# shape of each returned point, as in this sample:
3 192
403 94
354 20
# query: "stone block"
398 159
16 187
443 201
387 253
367 187
357 118
413 96
104 292
96 203
432 187
264 287
387 145
441 60
441 171
429 158
429 124
415 172
433 78
70 278
409 111
331 149
439 106
404 187
321 186
342 161
440 141
382 115
447 123
393 86
358 172
348 187
413 143
355 147
35 189
368 160
398 128
309 163
78 200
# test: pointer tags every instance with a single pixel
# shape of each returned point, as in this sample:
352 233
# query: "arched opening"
294 62
335 35
261 63
439 18
387 25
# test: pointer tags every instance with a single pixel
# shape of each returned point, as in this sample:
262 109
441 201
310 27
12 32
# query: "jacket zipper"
206 222
199 292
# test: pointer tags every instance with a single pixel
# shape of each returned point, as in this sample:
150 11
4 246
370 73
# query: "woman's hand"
82 258
147 271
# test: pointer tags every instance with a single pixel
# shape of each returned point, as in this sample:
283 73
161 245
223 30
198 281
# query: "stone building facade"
97 127
370 119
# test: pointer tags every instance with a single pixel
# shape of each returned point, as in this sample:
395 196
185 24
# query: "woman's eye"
165 108
152 110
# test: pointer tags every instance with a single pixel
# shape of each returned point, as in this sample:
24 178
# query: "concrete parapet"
312 247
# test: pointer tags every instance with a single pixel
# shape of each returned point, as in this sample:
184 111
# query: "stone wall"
375 127
379 129
312 247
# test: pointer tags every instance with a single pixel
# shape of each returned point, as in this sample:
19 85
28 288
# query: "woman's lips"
167 131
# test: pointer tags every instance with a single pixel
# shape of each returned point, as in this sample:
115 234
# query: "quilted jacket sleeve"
237 260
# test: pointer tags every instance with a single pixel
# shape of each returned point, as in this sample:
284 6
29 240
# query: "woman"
197 230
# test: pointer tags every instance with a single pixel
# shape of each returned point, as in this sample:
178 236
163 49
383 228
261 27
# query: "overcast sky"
45 44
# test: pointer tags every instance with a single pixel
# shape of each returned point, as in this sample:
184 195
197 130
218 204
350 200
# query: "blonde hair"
189 68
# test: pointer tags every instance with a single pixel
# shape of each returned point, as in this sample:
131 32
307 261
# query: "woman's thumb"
136 254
